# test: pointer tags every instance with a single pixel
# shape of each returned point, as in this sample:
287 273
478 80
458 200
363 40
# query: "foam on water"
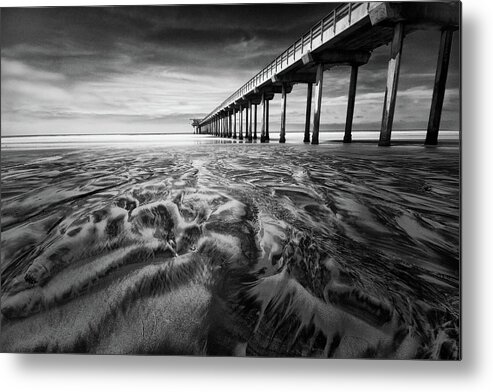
328 251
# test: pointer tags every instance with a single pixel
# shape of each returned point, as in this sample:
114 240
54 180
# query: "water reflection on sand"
270 250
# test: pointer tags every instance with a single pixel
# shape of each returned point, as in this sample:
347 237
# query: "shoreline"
11 143
326 131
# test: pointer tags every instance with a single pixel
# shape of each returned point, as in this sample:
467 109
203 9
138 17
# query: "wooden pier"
346 37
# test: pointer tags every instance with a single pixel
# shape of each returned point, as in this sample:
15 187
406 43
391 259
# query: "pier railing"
323 31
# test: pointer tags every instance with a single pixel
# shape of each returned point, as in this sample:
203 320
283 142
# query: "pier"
196 125
345 37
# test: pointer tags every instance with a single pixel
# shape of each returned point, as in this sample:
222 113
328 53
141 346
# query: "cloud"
142 68
12 69
153 93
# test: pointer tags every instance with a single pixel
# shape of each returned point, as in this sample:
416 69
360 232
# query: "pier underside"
347 37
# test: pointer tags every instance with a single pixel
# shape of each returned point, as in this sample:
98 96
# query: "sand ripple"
232 250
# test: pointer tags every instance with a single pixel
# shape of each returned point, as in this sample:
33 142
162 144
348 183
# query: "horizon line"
204 134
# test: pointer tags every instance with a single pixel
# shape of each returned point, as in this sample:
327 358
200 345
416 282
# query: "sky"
143 69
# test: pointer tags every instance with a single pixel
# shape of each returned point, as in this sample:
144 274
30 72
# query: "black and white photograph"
276 180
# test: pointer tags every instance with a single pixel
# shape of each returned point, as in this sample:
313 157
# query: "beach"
217 248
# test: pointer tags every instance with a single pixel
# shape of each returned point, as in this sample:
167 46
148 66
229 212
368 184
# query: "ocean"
165 140
193 245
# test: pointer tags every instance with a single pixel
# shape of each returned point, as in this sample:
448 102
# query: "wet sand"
344 251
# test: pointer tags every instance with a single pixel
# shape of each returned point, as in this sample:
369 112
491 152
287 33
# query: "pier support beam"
350 104
308 112
267 137
262 129
227 124
318 102
246 121
282 136
255 122
266 97
392 82
230 119
241 124
439 87
250 120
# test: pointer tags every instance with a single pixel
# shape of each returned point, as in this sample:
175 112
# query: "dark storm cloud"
184 35
62 66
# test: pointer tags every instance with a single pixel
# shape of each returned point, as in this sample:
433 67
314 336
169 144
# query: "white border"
89 373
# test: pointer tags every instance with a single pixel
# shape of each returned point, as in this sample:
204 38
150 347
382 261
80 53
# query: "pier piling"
255 122
308 112
318 102
350 104
230 125
246 122
266 103
266 97
250 131
392 83
234 122
439 87
262 129
282 136
241 124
